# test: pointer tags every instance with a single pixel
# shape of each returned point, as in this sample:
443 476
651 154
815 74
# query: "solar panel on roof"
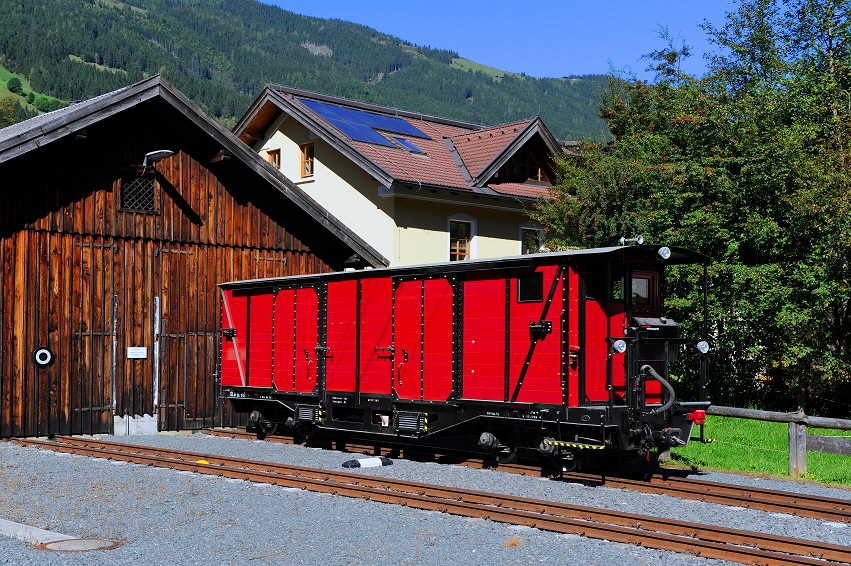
361 125
408 145
360 132
322 109
371 120
404 127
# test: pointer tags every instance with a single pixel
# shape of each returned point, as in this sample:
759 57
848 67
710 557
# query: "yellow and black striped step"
579 445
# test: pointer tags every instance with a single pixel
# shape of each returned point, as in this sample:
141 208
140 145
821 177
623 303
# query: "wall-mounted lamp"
154 156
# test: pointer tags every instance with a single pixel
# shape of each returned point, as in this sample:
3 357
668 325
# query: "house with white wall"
419 189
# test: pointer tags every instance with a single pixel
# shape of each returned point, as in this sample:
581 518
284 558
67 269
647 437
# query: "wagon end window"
645 291
138 192
530 287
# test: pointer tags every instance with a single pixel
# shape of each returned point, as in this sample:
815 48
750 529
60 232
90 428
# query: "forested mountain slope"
221 53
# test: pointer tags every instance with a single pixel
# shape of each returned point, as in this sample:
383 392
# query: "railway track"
801 505
664 534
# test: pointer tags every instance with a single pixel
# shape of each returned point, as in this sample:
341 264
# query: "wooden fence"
799 440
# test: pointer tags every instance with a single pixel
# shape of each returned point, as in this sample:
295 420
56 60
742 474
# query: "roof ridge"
392 110
494 128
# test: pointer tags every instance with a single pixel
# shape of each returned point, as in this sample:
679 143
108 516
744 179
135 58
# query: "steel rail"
760 499
715 541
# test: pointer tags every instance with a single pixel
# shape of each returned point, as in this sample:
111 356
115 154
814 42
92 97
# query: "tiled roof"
521 190
435 167
454 156
479 148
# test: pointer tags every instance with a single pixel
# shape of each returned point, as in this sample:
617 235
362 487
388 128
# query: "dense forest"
221 53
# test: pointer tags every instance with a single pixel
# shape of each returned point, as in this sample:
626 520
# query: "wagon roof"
647 252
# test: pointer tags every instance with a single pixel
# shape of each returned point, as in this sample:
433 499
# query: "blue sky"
543 38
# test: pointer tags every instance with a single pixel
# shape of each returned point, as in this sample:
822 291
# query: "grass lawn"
758 447
5 75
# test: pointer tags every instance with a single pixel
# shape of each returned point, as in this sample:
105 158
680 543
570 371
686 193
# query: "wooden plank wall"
89 281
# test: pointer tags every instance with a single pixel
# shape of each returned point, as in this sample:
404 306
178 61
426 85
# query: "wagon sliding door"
602 318
296 337
422 337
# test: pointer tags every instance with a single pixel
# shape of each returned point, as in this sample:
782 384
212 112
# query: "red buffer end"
699 417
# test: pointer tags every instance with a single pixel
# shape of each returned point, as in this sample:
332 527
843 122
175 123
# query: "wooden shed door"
93 341
187 340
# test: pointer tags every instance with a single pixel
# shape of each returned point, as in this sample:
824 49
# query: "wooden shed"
119 216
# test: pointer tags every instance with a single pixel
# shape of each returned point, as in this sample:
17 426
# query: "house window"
273 156
306 159
460 233
138 192
531 241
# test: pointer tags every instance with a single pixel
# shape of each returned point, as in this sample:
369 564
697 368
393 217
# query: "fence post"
797 449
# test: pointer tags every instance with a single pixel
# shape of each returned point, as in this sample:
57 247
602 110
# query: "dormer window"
522 167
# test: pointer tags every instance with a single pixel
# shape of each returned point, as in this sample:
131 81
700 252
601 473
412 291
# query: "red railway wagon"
563 353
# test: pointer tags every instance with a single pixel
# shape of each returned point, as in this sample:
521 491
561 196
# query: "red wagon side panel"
597 351
376 306
234 316
437 340
259 347
341 361
306 339
542 379
574 353
407 338
423 339
285 320
484 338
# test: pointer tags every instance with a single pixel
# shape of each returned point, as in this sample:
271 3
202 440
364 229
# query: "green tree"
7 112
14 86
750 165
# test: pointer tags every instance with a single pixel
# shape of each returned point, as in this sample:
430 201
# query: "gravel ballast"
186 518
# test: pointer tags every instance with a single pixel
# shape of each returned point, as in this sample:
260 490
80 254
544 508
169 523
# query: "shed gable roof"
31 134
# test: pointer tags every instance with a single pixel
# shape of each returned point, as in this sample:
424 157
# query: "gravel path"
184 518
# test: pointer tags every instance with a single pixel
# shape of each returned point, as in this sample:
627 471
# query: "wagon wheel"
305 432
506 455
265 428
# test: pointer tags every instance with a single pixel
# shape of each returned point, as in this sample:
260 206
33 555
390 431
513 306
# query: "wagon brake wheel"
506 455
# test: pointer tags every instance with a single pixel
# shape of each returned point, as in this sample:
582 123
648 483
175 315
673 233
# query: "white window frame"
472 250
530 226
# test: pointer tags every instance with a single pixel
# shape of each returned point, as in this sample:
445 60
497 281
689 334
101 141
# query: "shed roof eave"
75 118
